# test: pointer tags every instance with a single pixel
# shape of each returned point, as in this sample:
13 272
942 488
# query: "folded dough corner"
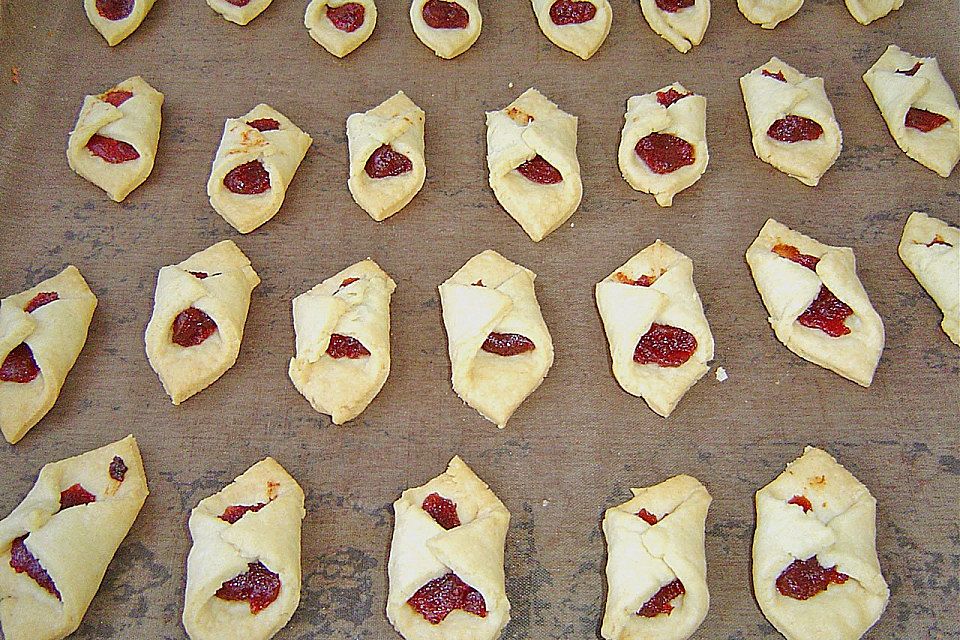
237 12
447 28
683 27
930 248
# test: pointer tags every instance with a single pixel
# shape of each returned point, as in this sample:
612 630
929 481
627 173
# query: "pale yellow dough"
221 551
224 296
768 13
683 29
839 530
55 333
75 545
447 43
581 39
422 551
866 11
931 250
136 121
335 41
239 15
114 31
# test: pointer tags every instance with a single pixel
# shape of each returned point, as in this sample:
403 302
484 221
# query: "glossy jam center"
117 97
114 9
672 6
507 344
793 254
118 469
665 346
647 517
19 365
233 513
191 327
441 509
75 496
540 171
22 561
348 17
642 281
265 124
41 299
436 599
668 97
564 12
776 76
439 14
248 179
664 153
259 586
387 163
346 347
827 313
804 579
795 129
801 501
660 602
111 150
923 120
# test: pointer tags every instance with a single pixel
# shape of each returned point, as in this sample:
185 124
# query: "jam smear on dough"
385 162
923 120
117 97
564 12
507 344
191 327
259 587
793 254
540 171
347 17
118 469
41 299
912 71
248 179
233 513
803 579
801 501
794 128
827 313
648 517
441 509
111 150
19 365
75 496
439 14
22 561
346 347
664 153
673 6
436 599
665 346
776 76
660 602
114 9
642 281
670 96
265 124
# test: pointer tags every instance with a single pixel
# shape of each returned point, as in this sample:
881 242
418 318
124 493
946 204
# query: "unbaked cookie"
816 574
340 26
931 250
817 306
768 13
243 571
682 23
449 28
239 11
918 106
866 11
116 19
663 147
199 312
446 559
659 338
42 332
56 546
656 563
500 348
532 157
114 143
578 26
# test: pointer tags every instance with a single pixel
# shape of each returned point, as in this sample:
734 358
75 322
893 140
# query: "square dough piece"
768 13
447 43
337 41
684 28
583 39
114 31
931 250
838 530
239 15
866 11
422 550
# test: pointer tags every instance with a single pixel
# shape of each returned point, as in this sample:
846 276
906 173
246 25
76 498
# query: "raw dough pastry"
901 82
341 40
70 524
462 542
500 348
447 42
655 549
45 327
866 11
682 28
387 167
652 117
793 292
534 135
654 292
250 528
220 294
343 340
817 511
239 14
128 133
931 250
768 13
112 20
581 38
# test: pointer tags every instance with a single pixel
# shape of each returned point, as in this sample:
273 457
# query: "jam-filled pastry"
243 571
791 121
199 311
663 147
682 23
114 142
116 19
577 26
768 13
258 156
56 545
239 11
656 563
340 26
866 11
659 338
931 250
918 106
532 157
447 27
446 559
500 348
817 306
343 340
816 575
387 167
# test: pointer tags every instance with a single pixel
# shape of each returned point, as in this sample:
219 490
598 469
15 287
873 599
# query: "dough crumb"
15 75
546 503
721 374
510 86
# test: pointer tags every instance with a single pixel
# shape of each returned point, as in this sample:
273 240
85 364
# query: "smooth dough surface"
528 127
55 333
114 31
136 121
768 100
221 551
506 302
629 310
447 43
74 546
224 296
353 303
686 119
895 93
931 250
581 39
684 28
643 558
839 530
335 41
768 13
866 11
239 15
788 289
422 550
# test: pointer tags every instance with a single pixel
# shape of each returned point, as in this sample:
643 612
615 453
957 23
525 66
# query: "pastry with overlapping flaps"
931 250
682 23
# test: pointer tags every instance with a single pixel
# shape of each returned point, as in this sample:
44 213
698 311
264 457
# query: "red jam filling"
22 561
665 346
664 153
445 15
264 124
672 6
648 517
234 513
75 496
923 120
118 469
346 347
199 275
939 240
793 254
801 501
348 17
111 150
564 12
239 3
668 97
347 282
114 9
642 281
660 602
248 179
441 509
540 171
117 97
259 586
19 365
41 299
192 327
776 76
827 313
794 129
804 579
911 71
436 599
507 344
387 163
